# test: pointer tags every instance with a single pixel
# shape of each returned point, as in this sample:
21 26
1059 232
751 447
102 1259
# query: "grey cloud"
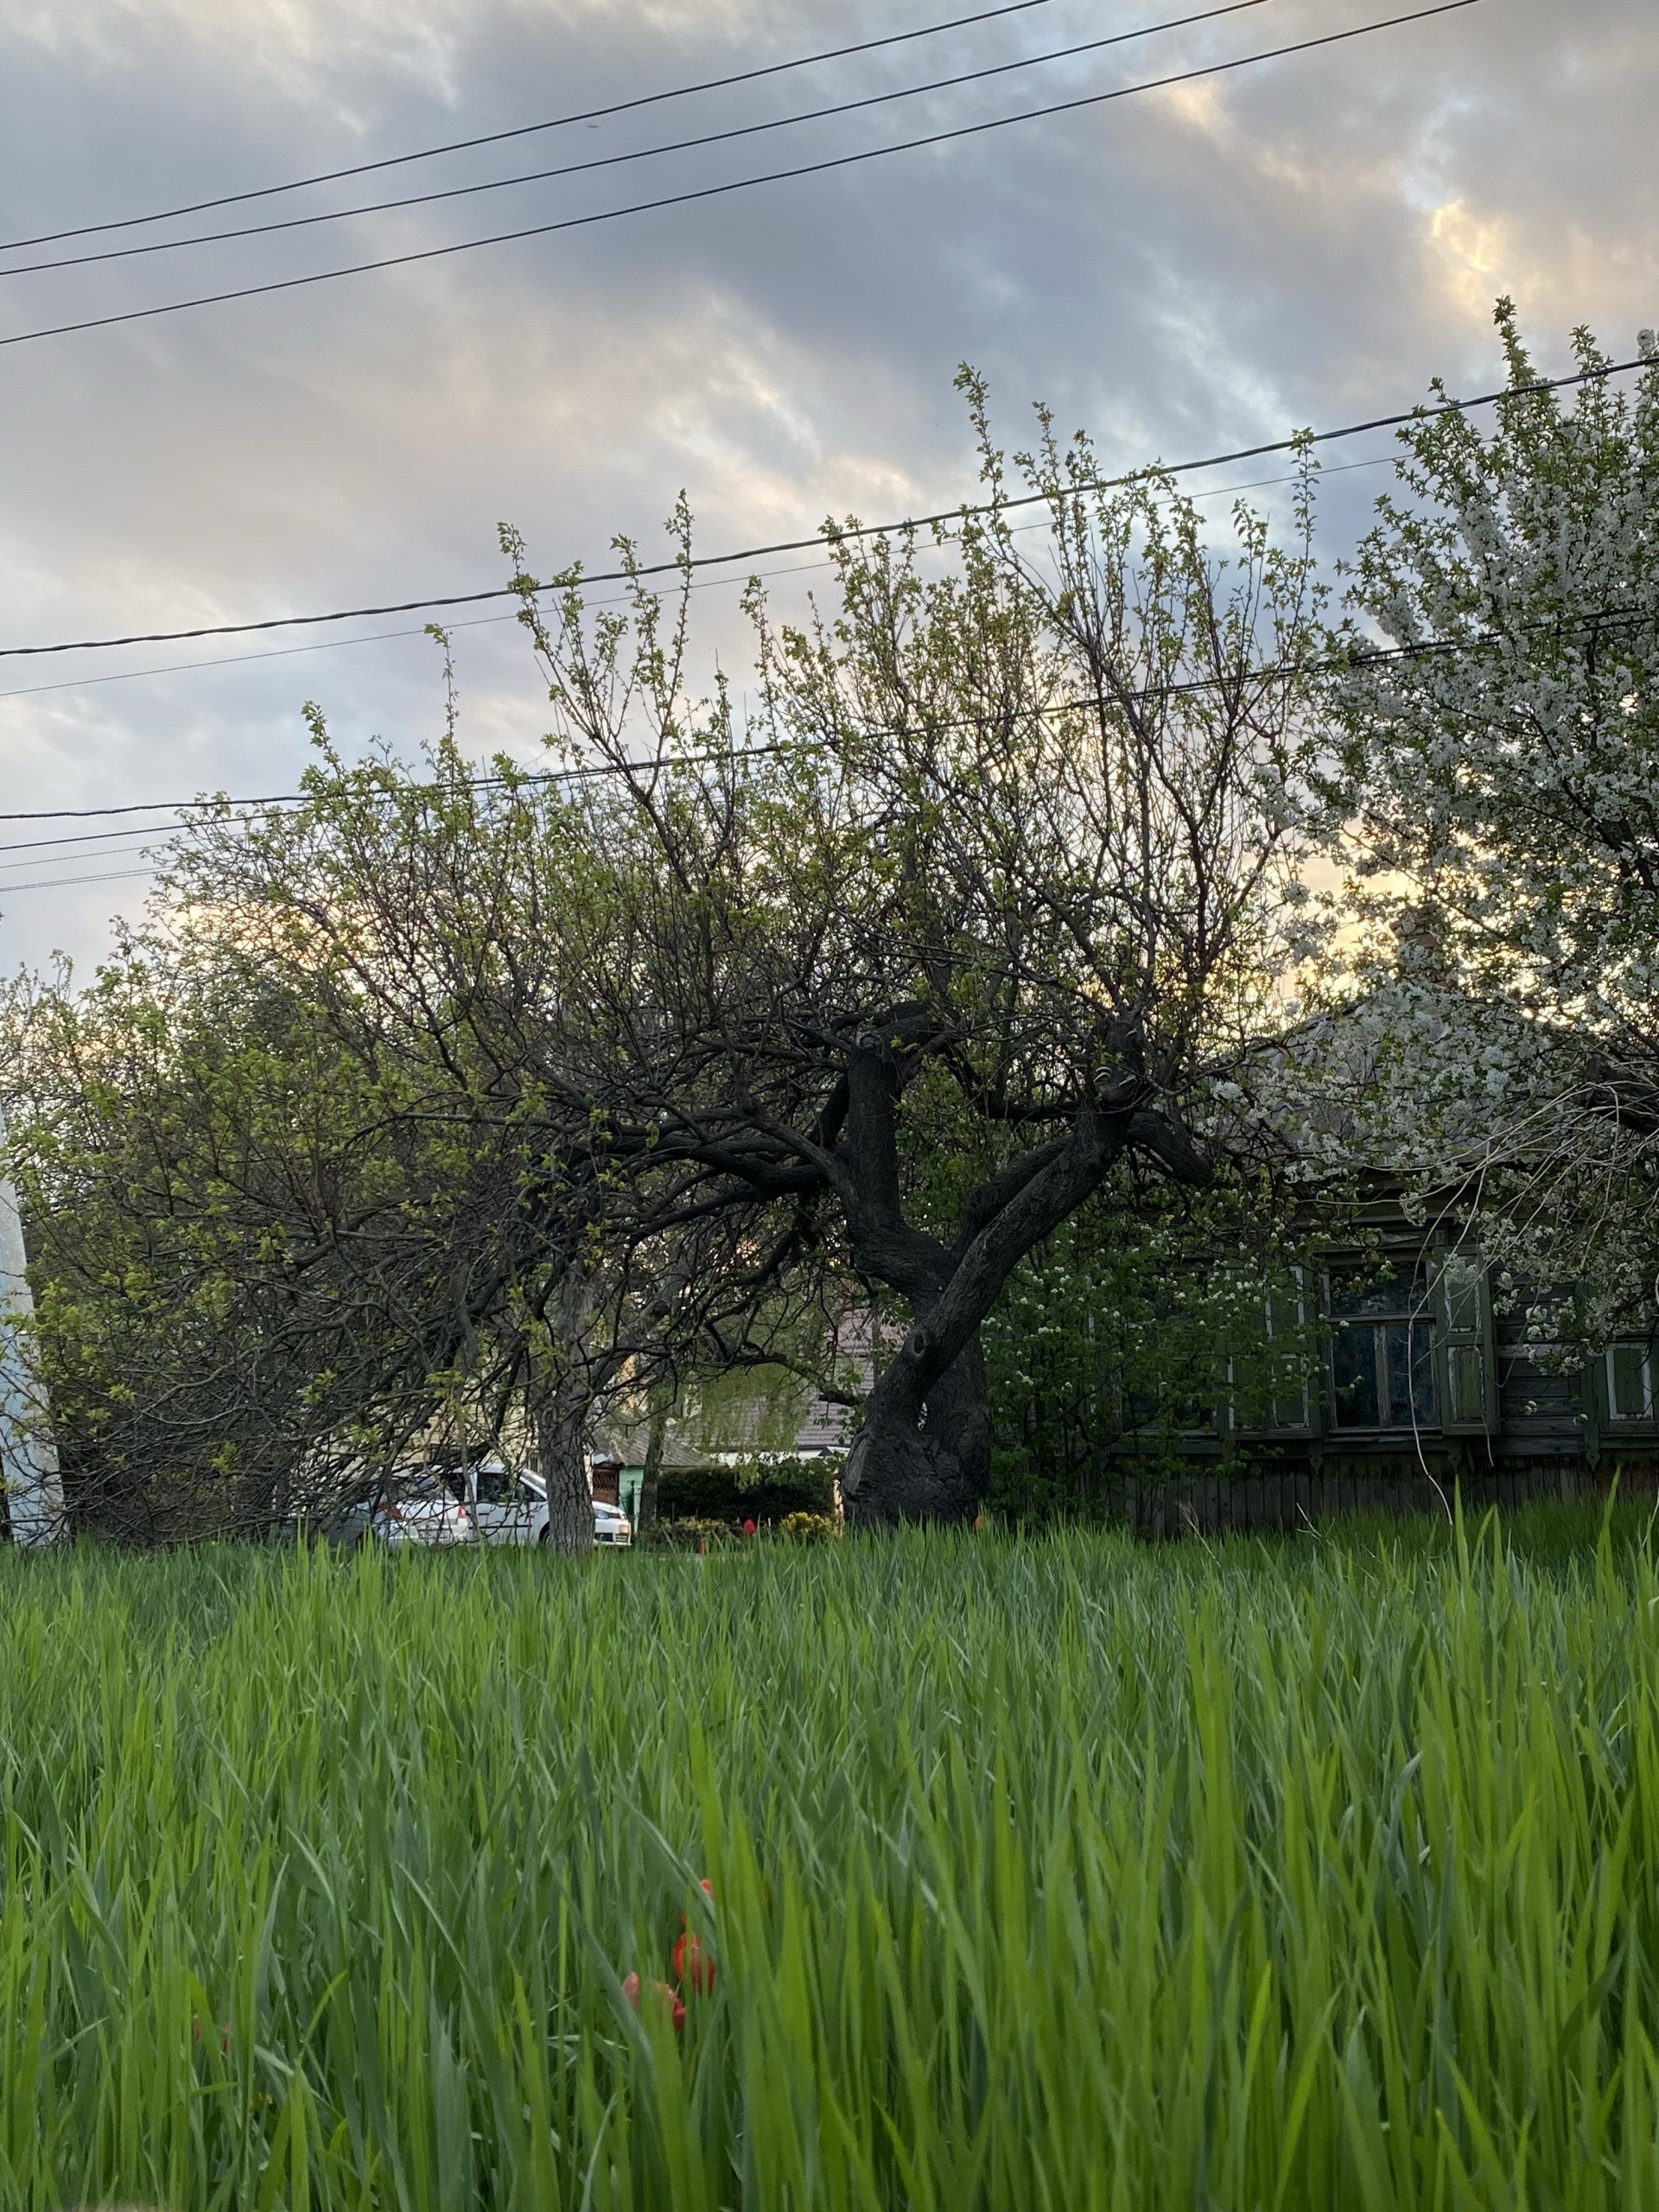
1306 243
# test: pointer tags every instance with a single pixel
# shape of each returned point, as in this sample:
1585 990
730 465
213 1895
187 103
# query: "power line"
529 129
120 853
372 638
641 154
737 184
94 837
834 534
67 882
243 810
487 622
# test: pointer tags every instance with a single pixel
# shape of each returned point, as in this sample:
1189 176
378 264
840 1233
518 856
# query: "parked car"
339 1517
423 1505
611 1524
489 1502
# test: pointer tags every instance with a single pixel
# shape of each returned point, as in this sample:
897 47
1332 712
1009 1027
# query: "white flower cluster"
1498 802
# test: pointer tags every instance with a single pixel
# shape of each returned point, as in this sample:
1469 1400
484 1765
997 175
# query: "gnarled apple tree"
1002 859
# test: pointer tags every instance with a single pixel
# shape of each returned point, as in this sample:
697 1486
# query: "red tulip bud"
662 1996
691 1966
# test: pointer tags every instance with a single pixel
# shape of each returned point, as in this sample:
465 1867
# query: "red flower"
748 1528
662 1996
692 1966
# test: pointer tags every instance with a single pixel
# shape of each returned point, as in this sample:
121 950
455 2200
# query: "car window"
495 1484
421 1486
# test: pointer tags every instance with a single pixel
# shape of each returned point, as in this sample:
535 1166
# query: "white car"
489 1502
611 1524
421 1505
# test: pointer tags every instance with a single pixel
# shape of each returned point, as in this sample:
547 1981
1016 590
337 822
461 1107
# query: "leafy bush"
747 1491
809 1527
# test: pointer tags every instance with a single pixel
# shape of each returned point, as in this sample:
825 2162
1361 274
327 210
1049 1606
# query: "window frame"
1465 1343
1616 1423
1418 1262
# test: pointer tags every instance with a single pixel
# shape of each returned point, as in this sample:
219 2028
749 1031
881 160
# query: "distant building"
1387 1374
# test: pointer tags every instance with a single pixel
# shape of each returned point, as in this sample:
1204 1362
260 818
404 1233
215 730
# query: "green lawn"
1056 1874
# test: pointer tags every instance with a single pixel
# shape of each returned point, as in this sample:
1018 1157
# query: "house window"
1382 1352
1630 1383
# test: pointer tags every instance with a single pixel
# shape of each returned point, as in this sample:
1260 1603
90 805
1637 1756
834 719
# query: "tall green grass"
1054 1875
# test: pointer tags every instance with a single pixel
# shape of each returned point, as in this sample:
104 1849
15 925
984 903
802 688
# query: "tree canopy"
1500 797
729 1019
962 948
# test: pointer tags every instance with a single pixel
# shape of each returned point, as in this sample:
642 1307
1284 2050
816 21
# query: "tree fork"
923 1449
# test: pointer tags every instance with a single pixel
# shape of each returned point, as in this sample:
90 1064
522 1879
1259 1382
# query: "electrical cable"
487 622
736 184
67 882
836 534
641 154
241 810
371 638
95 837
128 851
529 129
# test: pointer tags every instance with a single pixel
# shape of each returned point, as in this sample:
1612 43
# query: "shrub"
808 1528
741 1493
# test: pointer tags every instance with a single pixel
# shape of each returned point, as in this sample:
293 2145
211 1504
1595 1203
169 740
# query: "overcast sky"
1200 268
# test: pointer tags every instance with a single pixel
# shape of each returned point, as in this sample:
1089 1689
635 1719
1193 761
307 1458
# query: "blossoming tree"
1499 794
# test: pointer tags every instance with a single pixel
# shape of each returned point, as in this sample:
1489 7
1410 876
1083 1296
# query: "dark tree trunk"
924 1450
931 1463
560 1448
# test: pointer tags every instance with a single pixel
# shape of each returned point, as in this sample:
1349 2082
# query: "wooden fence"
1196 1504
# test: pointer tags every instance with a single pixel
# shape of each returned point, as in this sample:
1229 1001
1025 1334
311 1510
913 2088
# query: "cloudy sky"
1181 273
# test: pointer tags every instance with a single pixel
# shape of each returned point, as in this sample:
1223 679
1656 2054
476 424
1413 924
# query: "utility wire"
120 853
67 882
736 184
641 154
221 811
528 129
377 637
94 837
621 599
836 534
